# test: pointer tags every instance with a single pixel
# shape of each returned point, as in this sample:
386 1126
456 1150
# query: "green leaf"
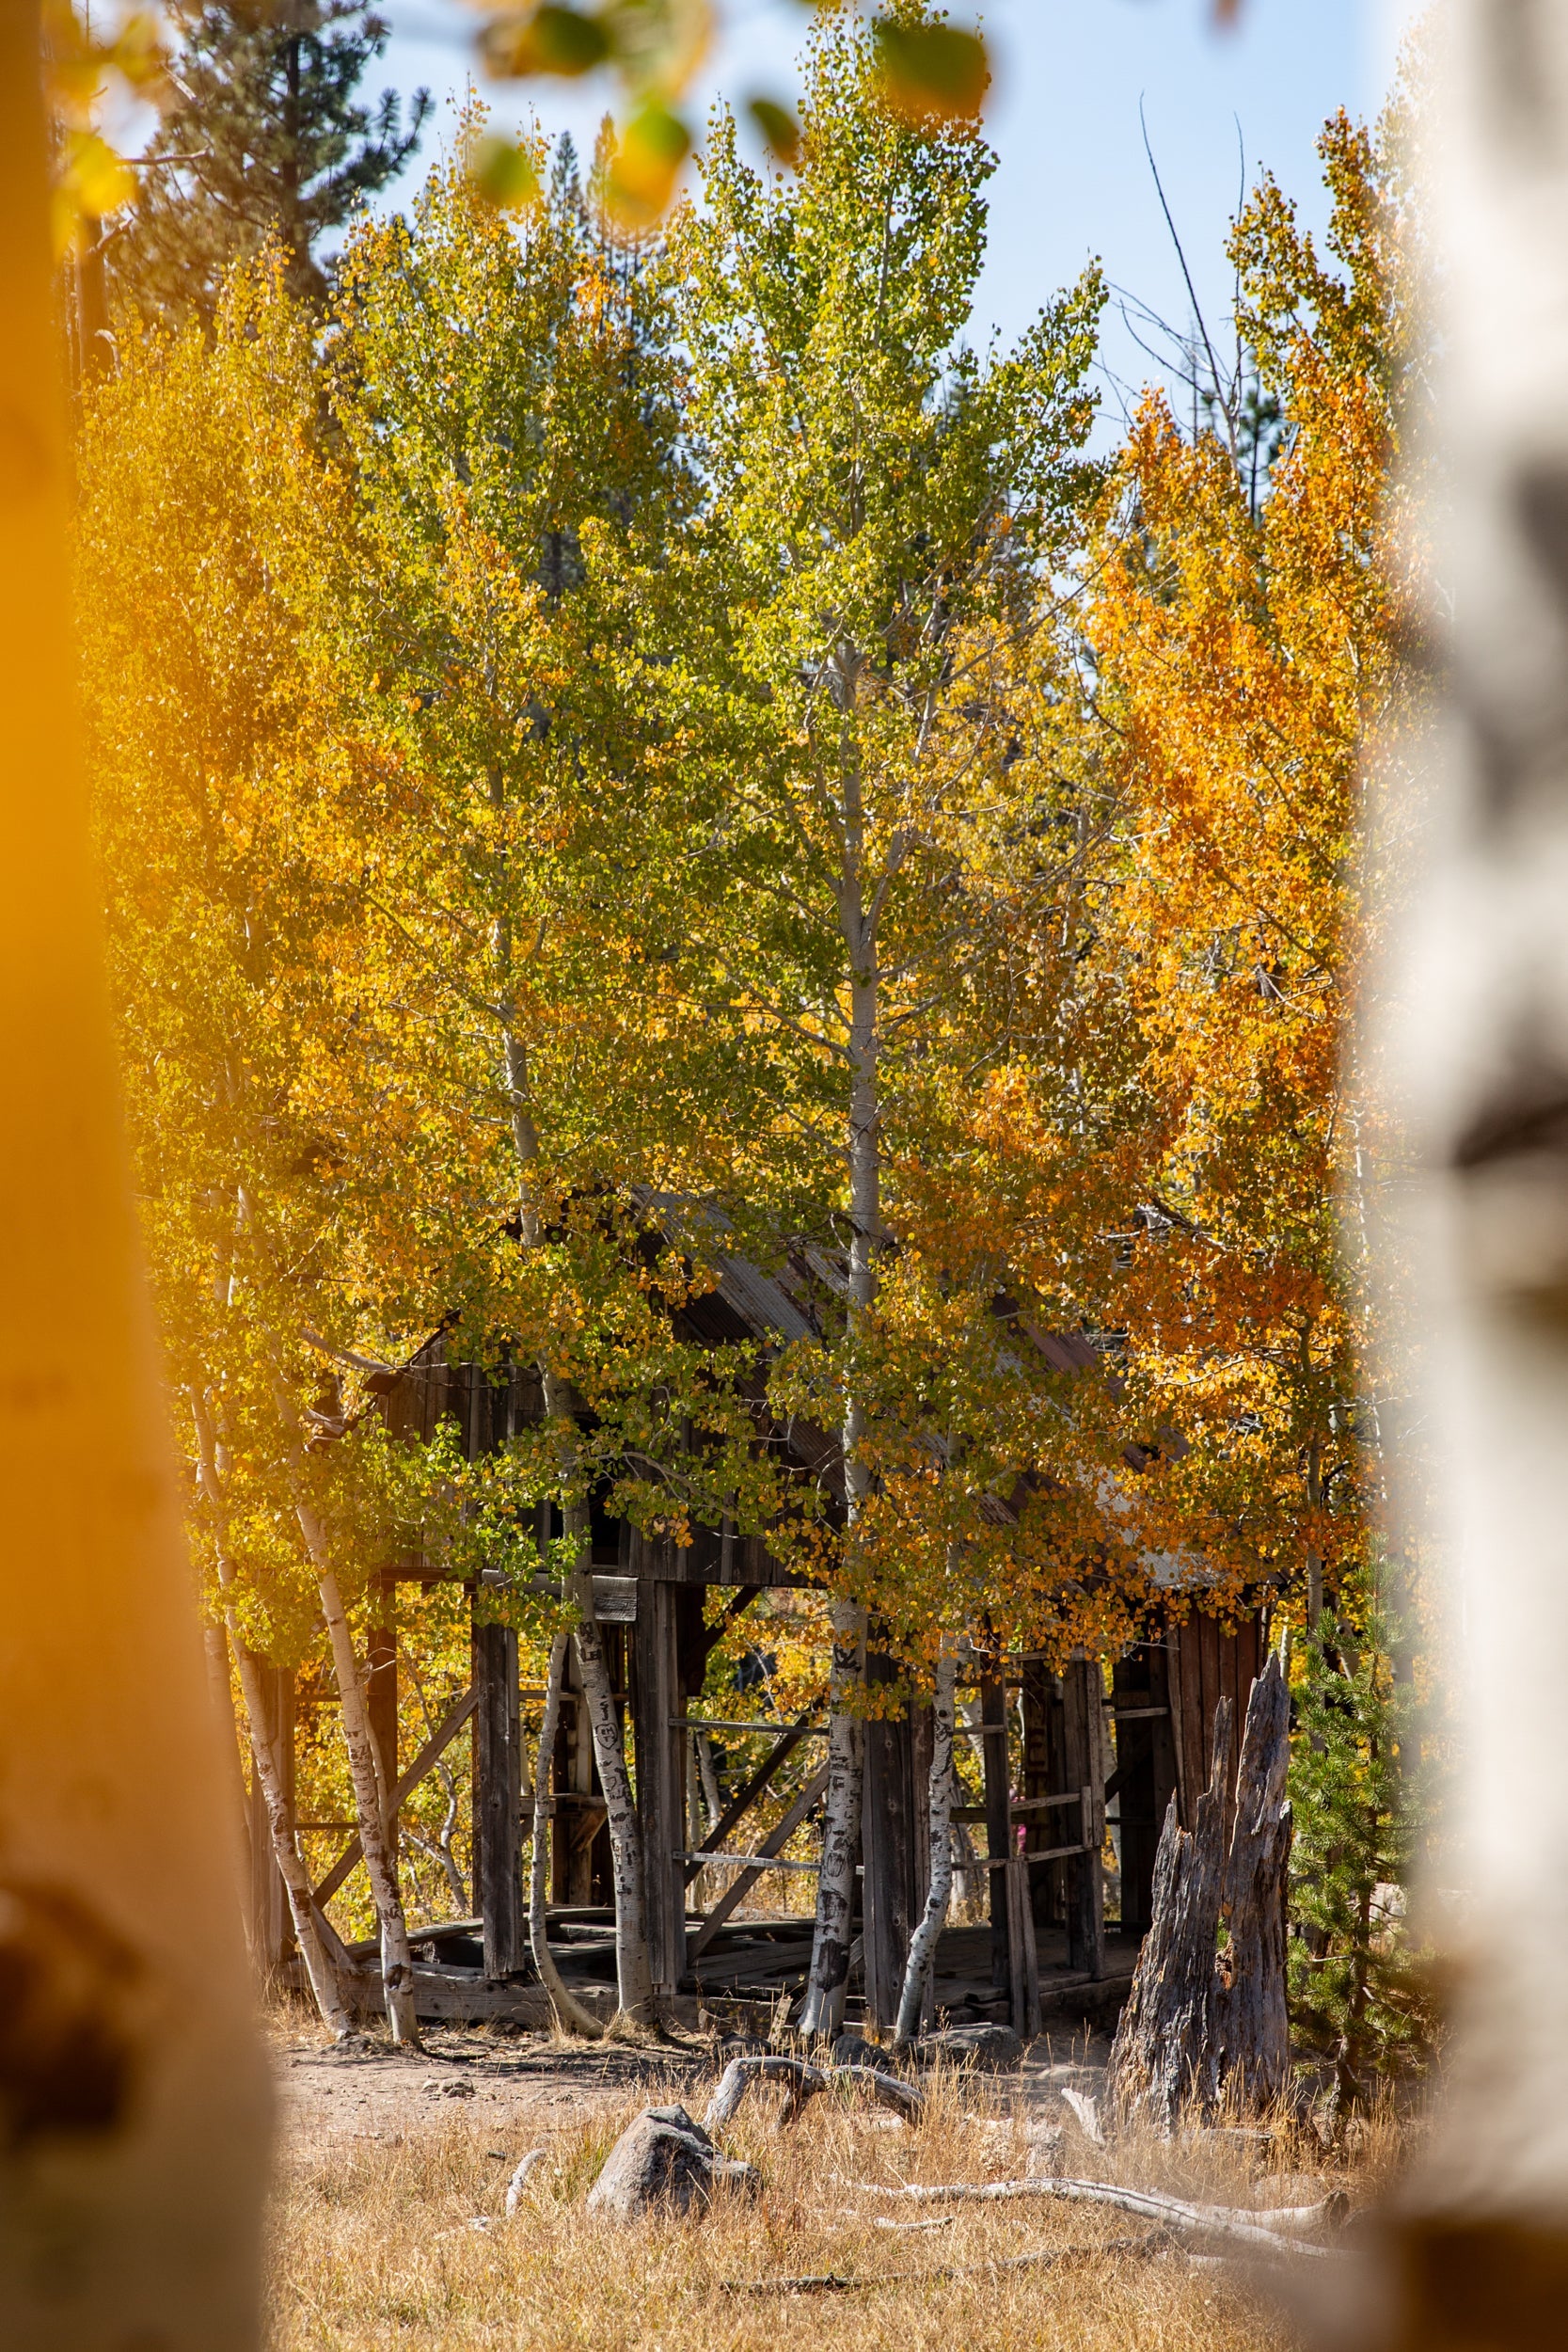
931 70
503 173
778 127
546 39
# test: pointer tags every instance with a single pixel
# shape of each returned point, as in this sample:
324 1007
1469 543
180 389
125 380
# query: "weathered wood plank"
739 1806
775 1843
435 1747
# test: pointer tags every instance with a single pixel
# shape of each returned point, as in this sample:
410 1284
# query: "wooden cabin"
1060 1763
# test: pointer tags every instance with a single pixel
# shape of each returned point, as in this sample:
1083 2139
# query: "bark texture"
823 2013
266 1764
1163 2056
1476 1041
920 1971
134 2093
1252 2027
633 1975
370 1804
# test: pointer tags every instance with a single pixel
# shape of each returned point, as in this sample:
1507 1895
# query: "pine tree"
1355 1987
266 137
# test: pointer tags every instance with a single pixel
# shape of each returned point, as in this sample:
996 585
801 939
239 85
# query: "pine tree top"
267 136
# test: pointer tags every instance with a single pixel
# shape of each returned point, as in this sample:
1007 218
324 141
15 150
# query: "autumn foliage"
609 756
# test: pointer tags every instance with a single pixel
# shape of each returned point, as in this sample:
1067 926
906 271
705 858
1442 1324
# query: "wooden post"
656 1706
993 1741
887 1809
497 1798
271 1928
1083 1730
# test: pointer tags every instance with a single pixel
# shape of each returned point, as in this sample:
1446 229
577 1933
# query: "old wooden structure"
1060 1763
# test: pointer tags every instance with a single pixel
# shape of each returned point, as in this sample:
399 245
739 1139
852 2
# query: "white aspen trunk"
568 2008
709 1780
215 1642
823 2010
364 1765
266 1762
134 2085
370 1805
1481 1042
920 1966
291 1863
633 1975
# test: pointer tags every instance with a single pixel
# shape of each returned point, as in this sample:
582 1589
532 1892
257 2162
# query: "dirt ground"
529 2086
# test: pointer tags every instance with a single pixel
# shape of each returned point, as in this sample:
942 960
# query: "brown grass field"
372 2239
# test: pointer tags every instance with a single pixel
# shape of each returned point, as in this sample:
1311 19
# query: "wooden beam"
742 1804
775 1843
497 1798
994 1725
434 1749
660 1781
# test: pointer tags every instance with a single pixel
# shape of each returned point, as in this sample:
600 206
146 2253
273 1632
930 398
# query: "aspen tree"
508 472
875 492
273 1141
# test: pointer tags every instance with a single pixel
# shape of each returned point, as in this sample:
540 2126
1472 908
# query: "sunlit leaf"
653 147
504 173
100 180
658 44
778 127
931 70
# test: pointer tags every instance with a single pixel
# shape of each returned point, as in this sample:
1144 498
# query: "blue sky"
1073 180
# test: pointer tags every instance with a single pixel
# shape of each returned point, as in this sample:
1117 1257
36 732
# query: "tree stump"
1163 2049
1252 2026
1197 2022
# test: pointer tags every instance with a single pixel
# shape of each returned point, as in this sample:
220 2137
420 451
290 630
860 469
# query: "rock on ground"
665 2163
989 2049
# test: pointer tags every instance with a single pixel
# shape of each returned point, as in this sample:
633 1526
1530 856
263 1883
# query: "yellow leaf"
648 158
931 70
96 178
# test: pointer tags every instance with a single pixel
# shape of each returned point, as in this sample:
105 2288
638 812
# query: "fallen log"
1278 2230
805 2081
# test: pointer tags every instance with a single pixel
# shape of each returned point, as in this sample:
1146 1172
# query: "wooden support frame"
497 1798
271 1924
660 1780
773 1844
993 1760
435 1747
739 1806
1084 1755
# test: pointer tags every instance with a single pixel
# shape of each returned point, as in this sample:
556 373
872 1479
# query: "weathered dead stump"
665 2163
1162 2054
1252 2026
1196 2023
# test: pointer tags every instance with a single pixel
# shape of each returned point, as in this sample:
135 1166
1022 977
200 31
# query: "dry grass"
374 2245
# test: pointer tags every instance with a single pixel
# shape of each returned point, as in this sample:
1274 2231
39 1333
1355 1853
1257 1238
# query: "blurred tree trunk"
1480 1045
132 2094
